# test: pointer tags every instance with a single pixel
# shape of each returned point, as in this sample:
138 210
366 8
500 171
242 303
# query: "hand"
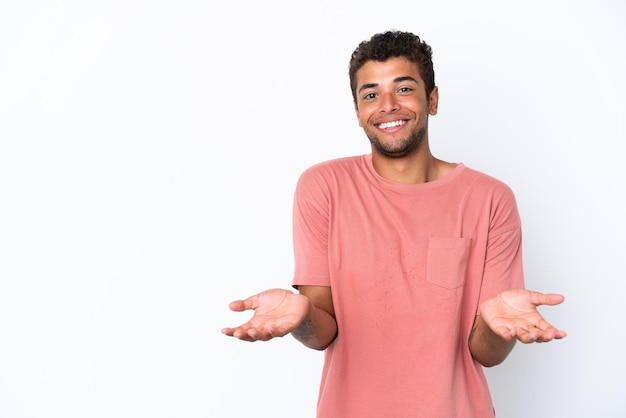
513 314
277 312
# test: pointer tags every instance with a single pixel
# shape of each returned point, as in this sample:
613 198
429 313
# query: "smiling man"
392 105
408 268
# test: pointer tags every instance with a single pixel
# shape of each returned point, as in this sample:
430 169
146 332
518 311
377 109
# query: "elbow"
320 344
490 362
317 339
492 357
321 347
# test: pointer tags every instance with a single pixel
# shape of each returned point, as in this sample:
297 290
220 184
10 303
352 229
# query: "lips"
391 124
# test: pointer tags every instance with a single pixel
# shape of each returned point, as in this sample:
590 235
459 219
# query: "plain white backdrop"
148 155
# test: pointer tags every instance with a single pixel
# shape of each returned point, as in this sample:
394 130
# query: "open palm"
277 312
513 314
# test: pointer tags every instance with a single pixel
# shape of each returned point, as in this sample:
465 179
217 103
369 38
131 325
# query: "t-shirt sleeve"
310 230
503 259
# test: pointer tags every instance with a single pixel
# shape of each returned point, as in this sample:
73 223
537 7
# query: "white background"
148 155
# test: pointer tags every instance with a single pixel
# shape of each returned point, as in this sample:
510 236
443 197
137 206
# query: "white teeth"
393 124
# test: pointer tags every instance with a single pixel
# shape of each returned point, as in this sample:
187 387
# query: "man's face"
392 107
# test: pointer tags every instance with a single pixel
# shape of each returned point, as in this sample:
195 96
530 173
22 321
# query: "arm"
511 316
487 347
319 328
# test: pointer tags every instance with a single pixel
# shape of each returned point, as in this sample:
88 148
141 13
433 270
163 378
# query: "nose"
388 103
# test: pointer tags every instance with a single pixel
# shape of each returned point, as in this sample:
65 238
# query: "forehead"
381 72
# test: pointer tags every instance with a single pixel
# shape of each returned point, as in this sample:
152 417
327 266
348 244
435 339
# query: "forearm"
488 348
317 330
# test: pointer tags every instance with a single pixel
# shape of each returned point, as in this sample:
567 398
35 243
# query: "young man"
408 268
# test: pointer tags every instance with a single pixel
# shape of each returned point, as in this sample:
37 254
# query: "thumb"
242 305
546 298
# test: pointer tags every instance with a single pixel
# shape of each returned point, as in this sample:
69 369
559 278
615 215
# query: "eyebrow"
395 80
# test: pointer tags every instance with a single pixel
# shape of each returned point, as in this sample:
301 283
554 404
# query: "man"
408 268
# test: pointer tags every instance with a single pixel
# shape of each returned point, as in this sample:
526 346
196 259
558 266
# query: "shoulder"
482 181
325 181
495 197
334 169
336 164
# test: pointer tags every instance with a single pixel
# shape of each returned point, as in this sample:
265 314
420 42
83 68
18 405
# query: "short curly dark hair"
390 44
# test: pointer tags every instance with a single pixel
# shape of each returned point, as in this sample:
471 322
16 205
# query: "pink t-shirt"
408 265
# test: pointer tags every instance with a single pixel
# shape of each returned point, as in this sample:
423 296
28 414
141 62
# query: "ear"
434 101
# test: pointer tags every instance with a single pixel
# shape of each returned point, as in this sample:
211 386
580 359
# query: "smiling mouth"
392 124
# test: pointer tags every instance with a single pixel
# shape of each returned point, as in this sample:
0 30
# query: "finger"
236 306
550 330
546 298
545 336
528 332
533 334
235 332
259 334
551 334
243 305
526 336
505 333
242 332
246 334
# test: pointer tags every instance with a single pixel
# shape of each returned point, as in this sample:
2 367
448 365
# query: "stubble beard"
402 147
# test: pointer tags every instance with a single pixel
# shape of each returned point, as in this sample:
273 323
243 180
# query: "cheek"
358 118
363 115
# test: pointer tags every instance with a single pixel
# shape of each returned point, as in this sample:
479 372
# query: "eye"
369 96
405 90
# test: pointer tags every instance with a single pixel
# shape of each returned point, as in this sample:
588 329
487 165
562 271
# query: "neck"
417 168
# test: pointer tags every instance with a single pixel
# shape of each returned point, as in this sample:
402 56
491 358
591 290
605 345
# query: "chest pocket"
447 261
